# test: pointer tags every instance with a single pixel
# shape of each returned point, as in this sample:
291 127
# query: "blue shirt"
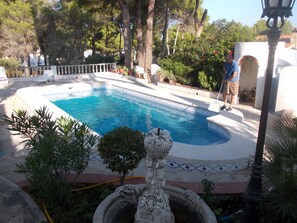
230 69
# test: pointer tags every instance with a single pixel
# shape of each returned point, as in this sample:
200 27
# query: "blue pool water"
106 109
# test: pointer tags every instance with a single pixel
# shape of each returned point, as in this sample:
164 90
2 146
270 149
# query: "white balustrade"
16 72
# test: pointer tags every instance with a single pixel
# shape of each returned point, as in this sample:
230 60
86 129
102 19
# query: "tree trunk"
26 65
167 45
175 41
165 31
107 37
148 58
127 32
140 53
196 20
199 25
93 45
122 178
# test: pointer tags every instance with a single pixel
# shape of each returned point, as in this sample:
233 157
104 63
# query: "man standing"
230 81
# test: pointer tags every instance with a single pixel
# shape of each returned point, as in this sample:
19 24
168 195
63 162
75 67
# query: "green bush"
122 150
98 58
280 173
227 208
178 69
9 64
205 81
166 76
208 196
123 70
57 148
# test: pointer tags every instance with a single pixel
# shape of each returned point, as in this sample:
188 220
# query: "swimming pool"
106 108
234 154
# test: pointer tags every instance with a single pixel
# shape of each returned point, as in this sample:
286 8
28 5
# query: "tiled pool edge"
231 156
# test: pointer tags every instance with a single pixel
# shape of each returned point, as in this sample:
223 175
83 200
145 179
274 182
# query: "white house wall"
283 57
287 91
288 55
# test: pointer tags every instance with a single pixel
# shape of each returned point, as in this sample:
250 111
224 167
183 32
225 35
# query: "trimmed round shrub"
122 149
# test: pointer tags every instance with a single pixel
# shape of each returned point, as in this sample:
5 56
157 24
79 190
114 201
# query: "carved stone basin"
110 209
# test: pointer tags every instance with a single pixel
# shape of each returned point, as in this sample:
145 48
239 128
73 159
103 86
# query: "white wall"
288 55
287 90
283 57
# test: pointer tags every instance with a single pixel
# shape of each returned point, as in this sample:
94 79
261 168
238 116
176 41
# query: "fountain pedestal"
153 203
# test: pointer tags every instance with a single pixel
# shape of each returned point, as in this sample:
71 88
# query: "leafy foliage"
18 37
98 58
64 33
260 26
209 197
227 208
286 127
280 172
57 148
122 150
84 202
165 76
204 80
204 57
9 64
177 68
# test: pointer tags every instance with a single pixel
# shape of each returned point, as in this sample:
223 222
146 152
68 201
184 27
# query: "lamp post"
272 9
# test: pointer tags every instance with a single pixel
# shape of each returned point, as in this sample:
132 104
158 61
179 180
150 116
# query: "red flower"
215 52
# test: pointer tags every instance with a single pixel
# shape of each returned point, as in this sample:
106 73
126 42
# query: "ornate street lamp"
273 9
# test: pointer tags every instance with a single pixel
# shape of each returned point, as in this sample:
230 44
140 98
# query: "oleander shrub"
57 148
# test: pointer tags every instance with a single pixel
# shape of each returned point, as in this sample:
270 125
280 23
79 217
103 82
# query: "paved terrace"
12 152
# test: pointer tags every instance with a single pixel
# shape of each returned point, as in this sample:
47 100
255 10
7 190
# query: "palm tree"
280 172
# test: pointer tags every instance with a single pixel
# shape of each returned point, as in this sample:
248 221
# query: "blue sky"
248 12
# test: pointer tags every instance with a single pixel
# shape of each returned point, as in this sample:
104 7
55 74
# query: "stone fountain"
153 203
153 199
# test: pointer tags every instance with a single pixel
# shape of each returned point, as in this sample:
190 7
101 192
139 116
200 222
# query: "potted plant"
123 70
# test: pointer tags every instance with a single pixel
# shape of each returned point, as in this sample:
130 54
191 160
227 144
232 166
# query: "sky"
247 12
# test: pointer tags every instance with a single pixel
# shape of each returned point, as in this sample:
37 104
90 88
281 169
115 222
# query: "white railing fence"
16 72
85 68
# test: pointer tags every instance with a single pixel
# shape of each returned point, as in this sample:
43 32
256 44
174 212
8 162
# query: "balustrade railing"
15 72
85 68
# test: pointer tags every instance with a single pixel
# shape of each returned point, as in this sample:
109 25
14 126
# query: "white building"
252 58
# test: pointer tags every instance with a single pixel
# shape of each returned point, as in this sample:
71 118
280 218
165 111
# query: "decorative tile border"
207 168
